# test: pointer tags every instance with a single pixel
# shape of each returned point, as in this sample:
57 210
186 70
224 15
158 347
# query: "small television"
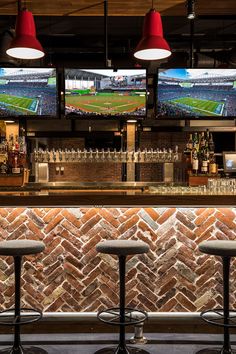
229 161
105 93
30 92
196 93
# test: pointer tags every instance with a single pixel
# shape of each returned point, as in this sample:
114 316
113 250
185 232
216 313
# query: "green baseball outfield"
107 103
204 107
20 104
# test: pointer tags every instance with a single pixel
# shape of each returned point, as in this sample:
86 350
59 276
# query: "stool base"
21 350
215 351
119 350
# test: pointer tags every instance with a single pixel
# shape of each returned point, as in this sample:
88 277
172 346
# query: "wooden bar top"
110 198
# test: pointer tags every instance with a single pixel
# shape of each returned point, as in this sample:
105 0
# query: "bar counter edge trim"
101 200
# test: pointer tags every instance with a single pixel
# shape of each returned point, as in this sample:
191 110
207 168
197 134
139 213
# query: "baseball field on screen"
107 103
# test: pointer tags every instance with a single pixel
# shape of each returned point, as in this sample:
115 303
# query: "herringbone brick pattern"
71 276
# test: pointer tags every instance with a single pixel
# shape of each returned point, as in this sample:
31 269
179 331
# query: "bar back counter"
71 277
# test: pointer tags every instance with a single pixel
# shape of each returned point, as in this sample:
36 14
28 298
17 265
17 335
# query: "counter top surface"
119 194
34 186
110 198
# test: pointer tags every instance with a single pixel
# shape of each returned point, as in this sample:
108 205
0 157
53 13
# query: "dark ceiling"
79 40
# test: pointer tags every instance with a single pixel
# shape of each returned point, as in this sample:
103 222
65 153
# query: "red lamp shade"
25 44
152 46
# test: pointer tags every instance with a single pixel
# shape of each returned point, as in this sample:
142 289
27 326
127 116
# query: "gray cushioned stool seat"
20 247
221 248
122 247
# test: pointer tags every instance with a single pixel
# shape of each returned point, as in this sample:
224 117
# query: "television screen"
105 92
229 160
28 92
196 93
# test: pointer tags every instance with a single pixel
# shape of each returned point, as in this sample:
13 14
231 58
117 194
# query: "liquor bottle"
15 164
195 161
202 142
196 141
207 135
11 145
22 145
204 164
3 167
16 144
187 155
5 145
211 143
189 146
212 164
2 145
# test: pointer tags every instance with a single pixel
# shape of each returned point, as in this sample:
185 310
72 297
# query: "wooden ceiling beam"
117 7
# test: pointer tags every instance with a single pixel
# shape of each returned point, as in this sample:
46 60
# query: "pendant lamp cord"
19 5
152 4
105 34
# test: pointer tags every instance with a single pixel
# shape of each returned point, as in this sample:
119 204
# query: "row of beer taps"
108 155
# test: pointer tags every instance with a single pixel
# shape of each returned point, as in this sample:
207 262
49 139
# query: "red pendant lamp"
152 45
25 44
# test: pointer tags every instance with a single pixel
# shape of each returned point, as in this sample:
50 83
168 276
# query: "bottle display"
12 154
200 147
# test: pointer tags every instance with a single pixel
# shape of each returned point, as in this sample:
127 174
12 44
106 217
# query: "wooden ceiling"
118 7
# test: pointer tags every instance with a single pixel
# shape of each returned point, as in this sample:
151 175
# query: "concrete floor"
158 343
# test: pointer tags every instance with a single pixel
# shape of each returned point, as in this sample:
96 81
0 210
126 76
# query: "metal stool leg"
226 264
122 348
226 345
17 347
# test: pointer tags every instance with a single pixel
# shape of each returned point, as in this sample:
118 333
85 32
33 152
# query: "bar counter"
111 195
71 277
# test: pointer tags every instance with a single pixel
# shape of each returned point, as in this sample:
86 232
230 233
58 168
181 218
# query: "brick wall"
70 276
148 140
150 172
81 172
163 140
86 172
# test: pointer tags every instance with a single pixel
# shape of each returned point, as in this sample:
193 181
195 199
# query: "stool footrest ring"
25 350
216 317
27 315
112 316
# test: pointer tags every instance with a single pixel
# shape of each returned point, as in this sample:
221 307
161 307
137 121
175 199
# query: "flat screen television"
229 161
105 93
30 92
196 93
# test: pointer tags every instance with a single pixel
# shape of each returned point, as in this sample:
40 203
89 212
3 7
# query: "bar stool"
122 316
21 316
221 316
